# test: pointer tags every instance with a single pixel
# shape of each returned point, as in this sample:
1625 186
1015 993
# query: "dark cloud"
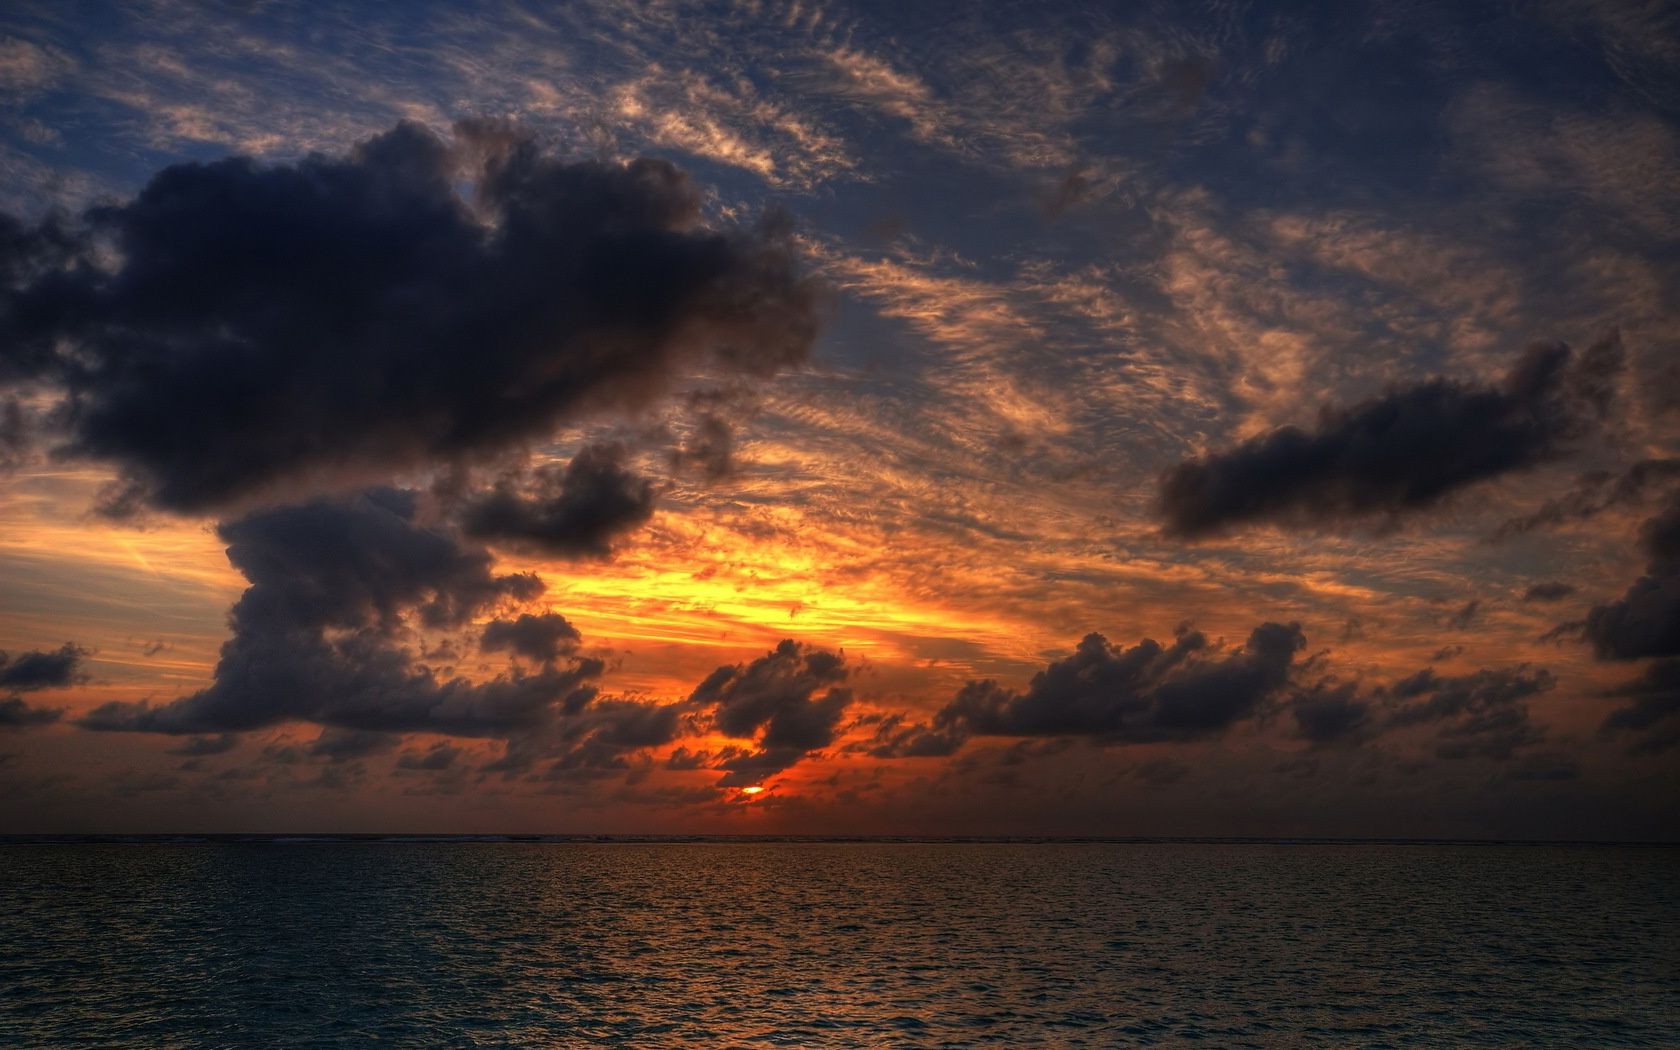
775 701
439 756
896 737
343 745
35 671
1595 493
575 512
1483 714
1399 453
237 330
1330 713
16 713
684 759
16 434
1653 717
337 589
1645 621
542 638
200 746
1552 591
592 741
1466 615
1147 693
711 448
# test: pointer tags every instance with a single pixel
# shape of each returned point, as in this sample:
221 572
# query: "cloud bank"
240 331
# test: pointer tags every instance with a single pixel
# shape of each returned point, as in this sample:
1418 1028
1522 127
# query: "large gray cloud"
337 589
239 330
1398 453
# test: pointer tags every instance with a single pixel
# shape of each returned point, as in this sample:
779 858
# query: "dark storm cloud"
337 587
575 512
1645 621
1551 591
31 672
775 701
238 329
1653 717
543 638
1399 453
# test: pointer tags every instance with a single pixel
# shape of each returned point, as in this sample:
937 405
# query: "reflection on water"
837 944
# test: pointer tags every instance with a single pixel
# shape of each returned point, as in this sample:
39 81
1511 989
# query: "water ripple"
838 944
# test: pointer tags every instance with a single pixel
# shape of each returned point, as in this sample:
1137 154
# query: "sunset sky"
841 418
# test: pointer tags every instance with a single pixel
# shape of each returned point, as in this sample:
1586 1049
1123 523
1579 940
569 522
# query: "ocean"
858 943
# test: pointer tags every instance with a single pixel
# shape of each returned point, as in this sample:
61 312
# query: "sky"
998 419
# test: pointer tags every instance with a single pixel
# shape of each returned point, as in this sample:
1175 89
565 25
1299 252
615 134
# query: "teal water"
838 944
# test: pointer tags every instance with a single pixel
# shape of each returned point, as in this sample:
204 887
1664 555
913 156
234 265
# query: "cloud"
593 741
1550 591
1399 453
543 638
575 512
1465 616
775 701
16 713
1645 621
202 746
1327 714
237 331
1654 715
1148 693
1476 715
711 448
1593 494
439 756
337 588
35 671
896 737
344 745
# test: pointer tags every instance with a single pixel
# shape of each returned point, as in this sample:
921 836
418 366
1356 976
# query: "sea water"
719 944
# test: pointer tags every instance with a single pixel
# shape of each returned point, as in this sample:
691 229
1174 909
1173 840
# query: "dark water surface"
839 944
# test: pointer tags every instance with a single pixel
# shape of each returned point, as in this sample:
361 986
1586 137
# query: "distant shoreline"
373 839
